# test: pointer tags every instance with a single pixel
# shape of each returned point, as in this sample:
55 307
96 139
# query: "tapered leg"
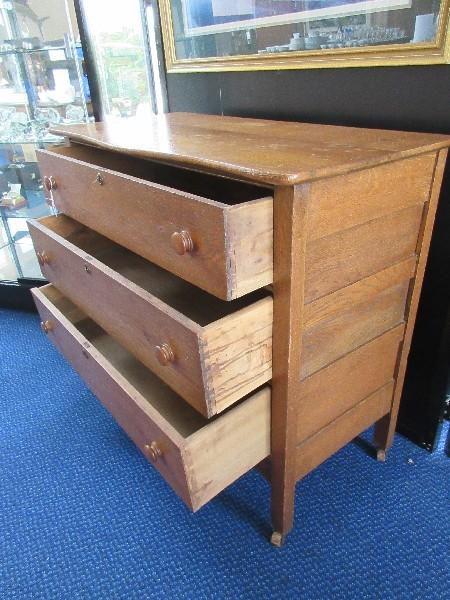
382 439
283 498
289 258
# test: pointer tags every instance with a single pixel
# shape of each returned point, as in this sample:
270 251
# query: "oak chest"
238 292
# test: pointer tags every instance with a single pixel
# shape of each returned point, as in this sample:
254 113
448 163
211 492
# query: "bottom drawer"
197 457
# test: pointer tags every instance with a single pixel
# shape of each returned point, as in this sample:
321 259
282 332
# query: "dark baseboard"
17 294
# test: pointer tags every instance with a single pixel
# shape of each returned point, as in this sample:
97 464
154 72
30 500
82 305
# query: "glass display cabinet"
42 82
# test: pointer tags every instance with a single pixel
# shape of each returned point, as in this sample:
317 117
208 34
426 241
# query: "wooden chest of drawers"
238 293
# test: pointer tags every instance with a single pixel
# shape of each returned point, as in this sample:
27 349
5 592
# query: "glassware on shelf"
41 84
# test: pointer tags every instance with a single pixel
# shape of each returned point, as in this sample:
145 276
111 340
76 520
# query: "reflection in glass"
209 28
121 62
41 84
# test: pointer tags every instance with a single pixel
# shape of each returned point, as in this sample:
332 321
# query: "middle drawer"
210 351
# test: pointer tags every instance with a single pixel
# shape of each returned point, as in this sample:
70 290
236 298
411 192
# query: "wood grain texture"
219 189
129 408
267 152
250 245
142 216
237 353
343 258
290 218
231 445
361 291
342 430
330 392
352 211
221 350
385 429
348 329
350 200
198 458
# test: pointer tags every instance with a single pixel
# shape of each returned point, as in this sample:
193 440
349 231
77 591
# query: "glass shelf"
15 51
35 141
41 85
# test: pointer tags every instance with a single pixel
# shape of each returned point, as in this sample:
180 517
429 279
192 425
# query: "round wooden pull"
164 354
50 183
182 242
46 326
43 258
153 451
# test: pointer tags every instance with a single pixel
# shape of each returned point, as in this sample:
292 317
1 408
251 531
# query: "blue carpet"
84 516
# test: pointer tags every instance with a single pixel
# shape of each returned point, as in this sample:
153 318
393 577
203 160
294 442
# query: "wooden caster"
277 539
381 455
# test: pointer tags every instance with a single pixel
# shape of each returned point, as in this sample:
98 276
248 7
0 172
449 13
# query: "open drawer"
198 458
211 231
210 351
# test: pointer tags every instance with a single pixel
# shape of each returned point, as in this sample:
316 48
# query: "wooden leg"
289 251
282 513
384 435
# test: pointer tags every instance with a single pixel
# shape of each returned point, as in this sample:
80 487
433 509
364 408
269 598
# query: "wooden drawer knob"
153 451
164 354
46 326
43 258
182 242
50 183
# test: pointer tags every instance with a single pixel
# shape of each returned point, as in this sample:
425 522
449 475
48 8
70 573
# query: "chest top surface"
265 152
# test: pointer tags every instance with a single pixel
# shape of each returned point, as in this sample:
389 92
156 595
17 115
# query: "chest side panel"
363 242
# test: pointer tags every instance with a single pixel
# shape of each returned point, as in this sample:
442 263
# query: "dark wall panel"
395 97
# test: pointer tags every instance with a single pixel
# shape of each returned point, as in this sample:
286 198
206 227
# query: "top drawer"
213 232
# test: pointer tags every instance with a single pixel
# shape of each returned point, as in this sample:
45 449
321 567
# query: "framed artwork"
217 35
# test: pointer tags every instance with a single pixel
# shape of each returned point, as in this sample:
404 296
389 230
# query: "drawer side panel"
250 245
238 353
228 447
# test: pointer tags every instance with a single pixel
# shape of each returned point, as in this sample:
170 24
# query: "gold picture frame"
383 54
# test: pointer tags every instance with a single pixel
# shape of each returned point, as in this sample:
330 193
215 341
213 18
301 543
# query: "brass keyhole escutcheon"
153 451
100 179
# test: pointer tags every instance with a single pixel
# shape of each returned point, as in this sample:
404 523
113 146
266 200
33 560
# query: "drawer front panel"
137 320
211 364
196 457
181 232
115 394
142 217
